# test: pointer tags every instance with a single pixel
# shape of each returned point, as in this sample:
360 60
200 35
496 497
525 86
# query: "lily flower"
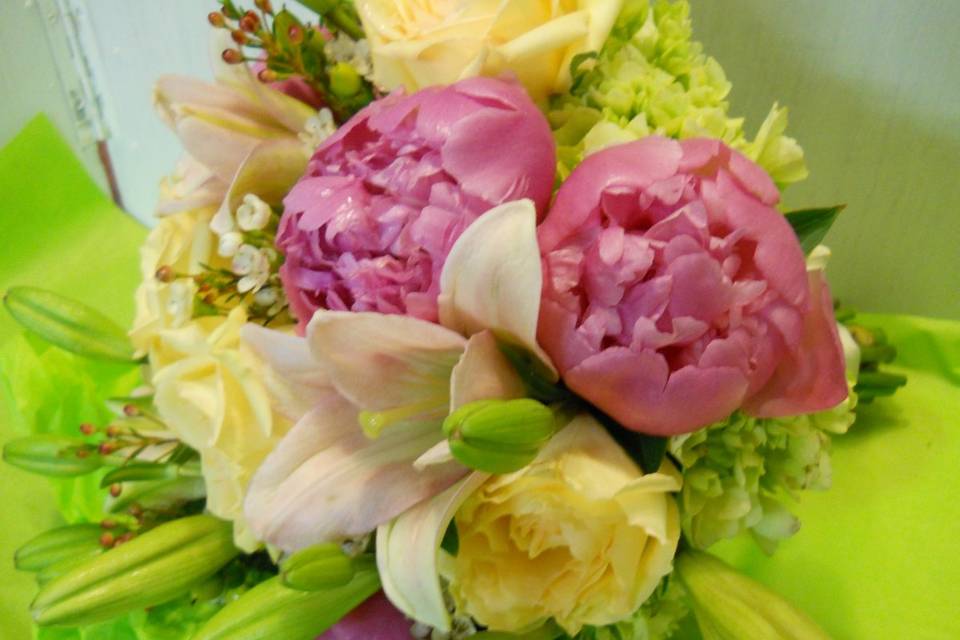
398 376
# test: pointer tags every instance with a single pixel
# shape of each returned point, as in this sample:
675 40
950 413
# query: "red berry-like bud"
165 273
87 429
124 538
238 36
295 34
267 75
83 453
115 490
232 56
107 539
135 510
265 6
113 431
131 410
106 448
250 22
216 19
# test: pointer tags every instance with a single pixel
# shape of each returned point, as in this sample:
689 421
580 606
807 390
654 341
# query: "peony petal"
407 551
269 171
374 619
492 277
327 481
811 377
381 362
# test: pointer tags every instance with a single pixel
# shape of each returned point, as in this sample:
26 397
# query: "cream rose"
418 43
581 535
212 392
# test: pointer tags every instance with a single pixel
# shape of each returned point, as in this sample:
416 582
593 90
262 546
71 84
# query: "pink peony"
674 293
383 200
375 618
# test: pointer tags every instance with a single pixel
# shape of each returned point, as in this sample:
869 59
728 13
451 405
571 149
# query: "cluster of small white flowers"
356 53
318 128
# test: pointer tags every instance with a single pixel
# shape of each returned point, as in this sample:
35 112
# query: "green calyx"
319 567
273 610
499 436
149 570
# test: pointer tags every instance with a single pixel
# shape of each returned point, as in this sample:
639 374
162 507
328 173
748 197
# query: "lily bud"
51 455
68 324
272 610
729 605
319 567
55 545
499 436
148 570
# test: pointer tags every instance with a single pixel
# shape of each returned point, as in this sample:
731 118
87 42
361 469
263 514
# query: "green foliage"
811 225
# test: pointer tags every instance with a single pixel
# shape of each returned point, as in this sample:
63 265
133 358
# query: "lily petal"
326 481
408 549
296 381
381 362
270 170
483 373
492 277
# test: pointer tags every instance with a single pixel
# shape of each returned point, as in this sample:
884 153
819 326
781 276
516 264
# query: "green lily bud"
499 436
52 455
150 569
68 324
57 569
730 606
51 547
319 567
345 82
272 610
157 493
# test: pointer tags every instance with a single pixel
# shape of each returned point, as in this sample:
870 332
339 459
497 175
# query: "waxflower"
384 199
419 44
670 276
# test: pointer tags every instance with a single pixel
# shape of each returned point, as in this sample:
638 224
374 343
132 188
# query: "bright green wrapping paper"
877 556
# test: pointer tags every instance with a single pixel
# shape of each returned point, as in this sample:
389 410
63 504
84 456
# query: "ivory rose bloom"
674 293
213 393
419 43
580 535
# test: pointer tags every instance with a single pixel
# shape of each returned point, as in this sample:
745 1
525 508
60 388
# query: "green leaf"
535 377
50 455
811 225
68 324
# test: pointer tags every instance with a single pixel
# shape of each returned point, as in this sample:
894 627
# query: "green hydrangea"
652 78
658 618
738 473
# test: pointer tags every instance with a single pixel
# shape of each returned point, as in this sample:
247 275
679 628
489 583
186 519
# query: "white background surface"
873 89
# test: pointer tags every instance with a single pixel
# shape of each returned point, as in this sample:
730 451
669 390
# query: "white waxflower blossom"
318 128
229 243
266 297
253 265
253 214
356 53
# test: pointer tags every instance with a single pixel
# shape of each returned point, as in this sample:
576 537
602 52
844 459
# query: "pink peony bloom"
384 199
674 293
375 618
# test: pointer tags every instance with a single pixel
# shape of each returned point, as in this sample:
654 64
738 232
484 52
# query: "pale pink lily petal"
408 549
296 380
483 373
381 362
269 171
492 277
812 375
327 481
375 619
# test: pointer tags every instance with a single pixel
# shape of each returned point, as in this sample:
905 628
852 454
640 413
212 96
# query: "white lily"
400 377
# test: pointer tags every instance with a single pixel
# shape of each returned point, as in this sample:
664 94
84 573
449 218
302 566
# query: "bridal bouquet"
475 318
